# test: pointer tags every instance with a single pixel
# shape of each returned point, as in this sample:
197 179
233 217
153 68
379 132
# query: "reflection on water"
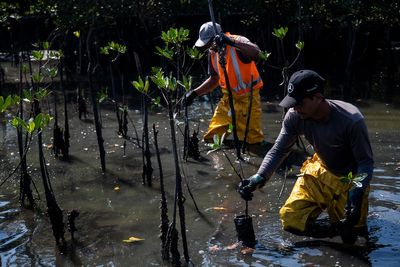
108 216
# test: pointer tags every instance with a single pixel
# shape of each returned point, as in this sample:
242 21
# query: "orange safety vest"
240 75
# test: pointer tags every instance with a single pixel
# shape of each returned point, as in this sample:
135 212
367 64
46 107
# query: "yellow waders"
315 191
222 118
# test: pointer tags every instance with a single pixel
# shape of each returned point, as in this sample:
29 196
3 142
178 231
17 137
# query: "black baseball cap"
302 83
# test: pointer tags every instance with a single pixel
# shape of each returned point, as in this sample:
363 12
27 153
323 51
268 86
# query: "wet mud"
115 205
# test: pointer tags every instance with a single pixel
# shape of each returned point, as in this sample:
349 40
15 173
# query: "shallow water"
108 216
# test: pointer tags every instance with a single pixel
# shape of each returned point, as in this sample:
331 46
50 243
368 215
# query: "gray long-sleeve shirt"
341 142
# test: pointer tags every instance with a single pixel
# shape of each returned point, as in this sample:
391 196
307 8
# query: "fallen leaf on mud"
246 250
116 188
132 239
214 248
233 246
48 146
216 208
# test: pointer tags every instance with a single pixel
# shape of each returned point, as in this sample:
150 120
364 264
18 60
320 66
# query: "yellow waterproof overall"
315 191
222 118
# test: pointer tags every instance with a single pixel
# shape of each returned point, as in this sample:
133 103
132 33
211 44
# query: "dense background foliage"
355 44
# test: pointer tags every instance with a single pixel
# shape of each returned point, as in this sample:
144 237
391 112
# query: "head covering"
302 84
206 33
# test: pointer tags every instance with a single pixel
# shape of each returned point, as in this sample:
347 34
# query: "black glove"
246 187
221 39
352 215
189 98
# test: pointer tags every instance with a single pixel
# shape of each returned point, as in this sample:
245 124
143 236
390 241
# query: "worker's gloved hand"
352 215
247 186
189 98
221 39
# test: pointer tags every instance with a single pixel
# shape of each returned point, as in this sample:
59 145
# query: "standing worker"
243 75
339 136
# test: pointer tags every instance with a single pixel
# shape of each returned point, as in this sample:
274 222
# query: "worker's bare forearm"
247 48
208 85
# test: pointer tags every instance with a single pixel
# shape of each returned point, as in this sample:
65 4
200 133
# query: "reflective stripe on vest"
240 87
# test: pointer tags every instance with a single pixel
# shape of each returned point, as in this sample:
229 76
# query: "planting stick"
248 116
222 62
240 177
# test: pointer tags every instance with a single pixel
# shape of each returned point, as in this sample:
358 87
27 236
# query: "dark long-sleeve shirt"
341 142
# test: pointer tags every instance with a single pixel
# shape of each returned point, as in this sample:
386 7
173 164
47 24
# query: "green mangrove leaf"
37 78
264 55
104 50
360 177
37 122
31 126
280 32
350 175
146 85
165 52
345 180
38 55
216 139
16 122
47 119
230 128
46 45
300 45
194 53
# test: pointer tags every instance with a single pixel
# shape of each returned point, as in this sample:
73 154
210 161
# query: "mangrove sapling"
58 137
40 121
163 203
168 85
71 217
114 50
146 155
82 107
91 72
66 123
53 209
58 140
26 179
175 51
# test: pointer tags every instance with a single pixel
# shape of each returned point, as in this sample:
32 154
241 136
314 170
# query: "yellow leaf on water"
216 208
132 239
246 250
233 246
214 248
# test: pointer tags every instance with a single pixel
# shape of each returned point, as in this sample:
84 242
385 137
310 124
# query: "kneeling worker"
339 136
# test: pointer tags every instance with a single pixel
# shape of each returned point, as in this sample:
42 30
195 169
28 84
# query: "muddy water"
108 216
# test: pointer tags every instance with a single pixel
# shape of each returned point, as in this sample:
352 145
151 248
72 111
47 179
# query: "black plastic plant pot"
245 231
